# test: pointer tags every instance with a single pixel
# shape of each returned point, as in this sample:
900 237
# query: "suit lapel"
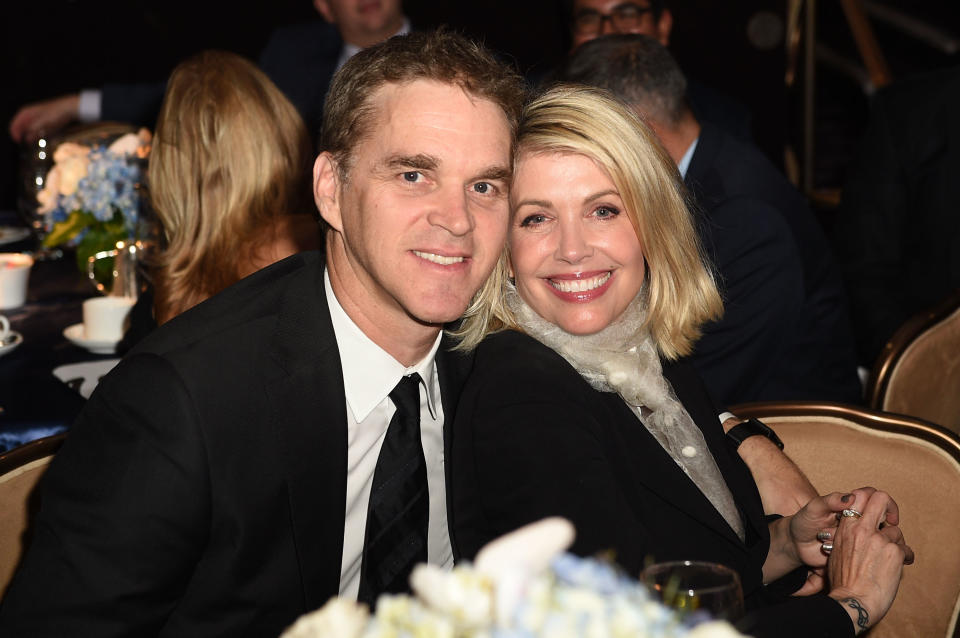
305 390
452 369
689 389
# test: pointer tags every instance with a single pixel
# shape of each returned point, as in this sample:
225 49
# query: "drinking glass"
36 159
695 586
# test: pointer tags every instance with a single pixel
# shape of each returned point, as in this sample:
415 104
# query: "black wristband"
751 427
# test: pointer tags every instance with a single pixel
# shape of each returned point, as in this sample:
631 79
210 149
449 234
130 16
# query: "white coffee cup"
104 318
14 273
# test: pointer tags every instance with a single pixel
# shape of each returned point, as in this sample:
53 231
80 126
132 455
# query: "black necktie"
396 534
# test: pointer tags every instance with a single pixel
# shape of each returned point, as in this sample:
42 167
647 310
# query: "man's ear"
323 8
326 190
664 26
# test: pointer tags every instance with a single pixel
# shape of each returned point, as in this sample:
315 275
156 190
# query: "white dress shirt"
369 375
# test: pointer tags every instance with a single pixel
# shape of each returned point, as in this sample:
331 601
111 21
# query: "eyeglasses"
624 17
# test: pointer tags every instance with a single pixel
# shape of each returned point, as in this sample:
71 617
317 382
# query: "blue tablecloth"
34 402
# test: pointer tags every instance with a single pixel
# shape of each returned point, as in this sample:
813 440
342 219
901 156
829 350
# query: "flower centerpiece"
522 585
92 194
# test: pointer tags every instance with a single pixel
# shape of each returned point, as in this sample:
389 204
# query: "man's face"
363 22
594 18
422 217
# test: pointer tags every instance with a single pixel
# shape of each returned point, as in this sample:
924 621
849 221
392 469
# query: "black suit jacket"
785 333
533 439
898 232
202 490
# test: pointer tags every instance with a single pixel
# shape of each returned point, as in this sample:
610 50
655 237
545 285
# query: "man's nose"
450 211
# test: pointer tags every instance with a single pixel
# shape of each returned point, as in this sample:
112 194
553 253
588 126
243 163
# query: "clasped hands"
864 565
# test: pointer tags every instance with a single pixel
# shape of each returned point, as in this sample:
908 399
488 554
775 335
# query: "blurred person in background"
898 232
785 333
300 59
230 180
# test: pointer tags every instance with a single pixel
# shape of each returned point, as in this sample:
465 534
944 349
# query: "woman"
230 180
569 410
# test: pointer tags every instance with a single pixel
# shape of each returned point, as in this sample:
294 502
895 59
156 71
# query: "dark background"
52 47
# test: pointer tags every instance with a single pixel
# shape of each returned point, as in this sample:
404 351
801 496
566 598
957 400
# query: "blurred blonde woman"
230 180
580 404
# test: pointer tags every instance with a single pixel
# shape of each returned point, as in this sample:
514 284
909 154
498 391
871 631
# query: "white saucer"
10 347
11 234
75 335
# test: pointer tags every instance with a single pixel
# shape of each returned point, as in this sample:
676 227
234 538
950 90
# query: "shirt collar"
684 164
350 50
369 372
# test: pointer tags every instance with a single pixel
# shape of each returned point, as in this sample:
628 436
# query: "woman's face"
573 251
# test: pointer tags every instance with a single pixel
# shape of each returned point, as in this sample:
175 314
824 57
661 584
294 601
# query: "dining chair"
918 371
842 447
20 470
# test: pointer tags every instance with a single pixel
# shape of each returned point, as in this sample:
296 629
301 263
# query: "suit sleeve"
868 236
761 280
124 513
135 103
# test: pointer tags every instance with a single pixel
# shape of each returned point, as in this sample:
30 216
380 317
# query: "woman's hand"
802 538
867 560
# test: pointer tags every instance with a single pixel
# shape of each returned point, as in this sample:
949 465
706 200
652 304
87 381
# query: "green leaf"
69 228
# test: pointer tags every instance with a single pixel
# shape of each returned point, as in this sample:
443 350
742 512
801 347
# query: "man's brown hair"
441 55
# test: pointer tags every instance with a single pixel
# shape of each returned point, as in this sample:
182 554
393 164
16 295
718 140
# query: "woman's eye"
532 220
412 176
606 212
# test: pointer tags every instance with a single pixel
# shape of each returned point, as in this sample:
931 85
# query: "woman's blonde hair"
230 156
680 290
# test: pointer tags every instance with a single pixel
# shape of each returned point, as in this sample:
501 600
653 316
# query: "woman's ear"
326 190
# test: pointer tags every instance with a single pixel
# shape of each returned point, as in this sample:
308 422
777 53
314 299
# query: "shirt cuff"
88 107
726 415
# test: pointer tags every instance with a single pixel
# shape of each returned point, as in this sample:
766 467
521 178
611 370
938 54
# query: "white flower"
51 191
72 160
714 629
339 618
125 144
463 594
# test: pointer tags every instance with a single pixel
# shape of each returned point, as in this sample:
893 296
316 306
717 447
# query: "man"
785 333
898 231
226 477
590 19
300 59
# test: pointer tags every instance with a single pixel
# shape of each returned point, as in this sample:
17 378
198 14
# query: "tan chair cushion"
17 506
838 455
925 382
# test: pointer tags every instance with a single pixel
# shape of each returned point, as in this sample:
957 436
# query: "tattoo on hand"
863 618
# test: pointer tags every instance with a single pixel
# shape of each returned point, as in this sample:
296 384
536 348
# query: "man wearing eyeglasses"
593 18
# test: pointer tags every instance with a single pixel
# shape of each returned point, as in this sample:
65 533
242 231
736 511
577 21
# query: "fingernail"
846 497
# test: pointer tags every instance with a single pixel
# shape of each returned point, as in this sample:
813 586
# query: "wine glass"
36 159
696 587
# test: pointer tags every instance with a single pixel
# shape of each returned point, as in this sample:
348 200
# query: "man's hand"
33 121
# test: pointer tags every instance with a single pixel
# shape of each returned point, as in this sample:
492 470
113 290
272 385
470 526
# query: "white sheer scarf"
622 358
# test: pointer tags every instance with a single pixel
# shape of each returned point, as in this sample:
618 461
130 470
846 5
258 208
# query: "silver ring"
824 536
826 548
852 513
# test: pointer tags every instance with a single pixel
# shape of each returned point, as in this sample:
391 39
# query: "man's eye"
483 188
412 176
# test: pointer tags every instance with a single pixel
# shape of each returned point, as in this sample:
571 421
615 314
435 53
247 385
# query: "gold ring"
852 513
